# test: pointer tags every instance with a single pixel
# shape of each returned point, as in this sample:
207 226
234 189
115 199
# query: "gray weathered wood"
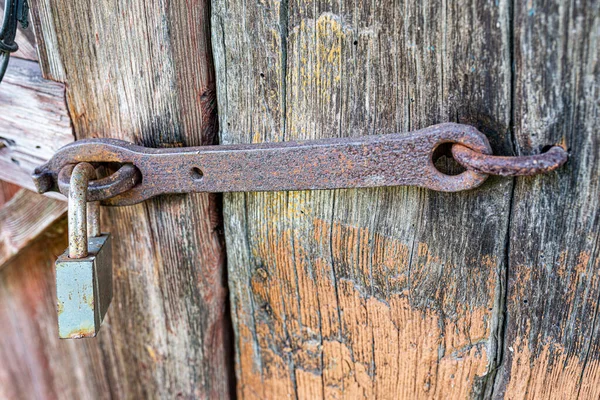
139 71
23 218
34 121
384 293
552 346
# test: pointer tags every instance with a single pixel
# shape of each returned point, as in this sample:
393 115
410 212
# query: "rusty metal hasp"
356 162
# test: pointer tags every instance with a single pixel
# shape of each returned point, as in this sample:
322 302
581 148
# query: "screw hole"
444 162
197 174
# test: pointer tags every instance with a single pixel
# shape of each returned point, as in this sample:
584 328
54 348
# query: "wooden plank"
26 40
553 332
35 364
23 218
383 293
142 72
46 28
34 122
7 191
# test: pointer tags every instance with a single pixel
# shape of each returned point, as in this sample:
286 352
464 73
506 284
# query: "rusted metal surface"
481 163
114 184
78 239
369 161
93 219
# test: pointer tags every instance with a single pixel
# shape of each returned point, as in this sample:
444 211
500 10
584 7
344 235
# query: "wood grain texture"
34 122
23 218
552 335
35 364
383 293
141 71
7 191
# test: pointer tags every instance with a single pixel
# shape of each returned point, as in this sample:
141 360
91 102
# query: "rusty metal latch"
83 281
356 162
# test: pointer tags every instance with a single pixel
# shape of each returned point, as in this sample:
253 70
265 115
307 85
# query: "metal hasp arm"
356 162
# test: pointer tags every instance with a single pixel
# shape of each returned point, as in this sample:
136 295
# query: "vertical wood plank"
382 293
142 71
552 336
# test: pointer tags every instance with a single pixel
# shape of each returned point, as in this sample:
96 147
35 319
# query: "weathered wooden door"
394 293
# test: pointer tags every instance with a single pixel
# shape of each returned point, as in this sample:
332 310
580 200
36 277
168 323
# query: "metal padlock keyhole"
84 270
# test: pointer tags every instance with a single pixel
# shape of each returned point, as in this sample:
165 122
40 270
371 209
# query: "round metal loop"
509 166
101 189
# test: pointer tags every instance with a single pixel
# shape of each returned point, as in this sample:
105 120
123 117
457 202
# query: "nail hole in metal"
444 162
197 174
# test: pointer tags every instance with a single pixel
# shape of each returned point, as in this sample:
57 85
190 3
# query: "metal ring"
101 189
509 166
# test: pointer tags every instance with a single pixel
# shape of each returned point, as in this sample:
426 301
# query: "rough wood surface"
552 346
34 363
7 191
142 72
34 121
384 293
23 218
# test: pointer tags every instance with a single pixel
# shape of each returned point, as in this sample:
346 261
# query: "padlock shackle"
93 219
78 235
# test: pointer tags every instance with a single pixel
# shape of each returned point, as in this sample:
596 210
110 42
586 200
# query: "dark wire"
15 11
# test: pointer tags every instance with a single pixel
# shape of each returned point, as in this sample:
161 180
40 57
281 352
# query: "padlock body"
84 289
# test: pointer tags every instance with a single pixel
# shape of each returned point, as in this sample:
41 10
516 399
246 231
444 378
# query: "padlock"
84 270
